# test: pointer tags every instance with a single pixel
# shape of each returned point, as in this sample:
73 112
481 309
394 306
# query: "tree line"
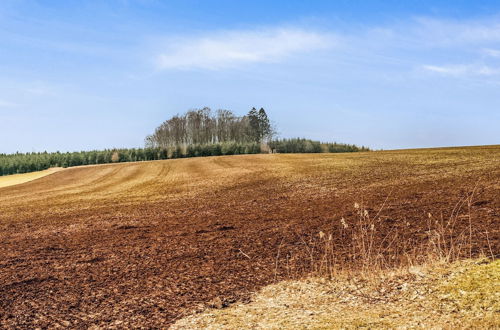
297 145
196 133
37 161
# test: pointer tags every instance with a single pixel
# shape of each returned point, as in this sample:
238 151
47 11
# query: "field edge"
460 294
16 179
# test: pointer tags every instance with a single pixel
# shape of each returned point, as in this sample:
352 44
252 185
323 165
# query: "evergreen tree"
265 128
254 126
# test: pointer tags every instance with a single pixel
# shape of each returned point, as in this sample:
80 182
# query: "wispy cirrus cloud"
460 48
477 39
456 32
463 69
491 52
232 48
446 70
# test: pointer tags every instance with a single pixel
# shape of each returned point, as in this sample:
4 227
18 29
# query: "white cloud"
380 44
491 52
462 70
453 70
232 48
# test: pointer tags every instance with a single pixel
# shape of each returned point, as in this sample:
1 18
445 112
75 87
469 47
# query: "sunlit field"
146 243
10 180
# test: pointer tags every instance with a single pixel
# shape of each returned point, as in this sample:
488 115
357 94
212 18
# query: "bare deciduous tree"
202 126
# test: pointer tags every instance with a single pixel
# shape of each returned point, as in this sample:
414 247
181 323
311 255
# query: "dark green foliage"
339 147
253 126
266 130
37 161
309 146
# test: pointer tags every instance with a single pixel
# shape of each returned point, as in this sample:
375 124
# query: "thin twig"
243 253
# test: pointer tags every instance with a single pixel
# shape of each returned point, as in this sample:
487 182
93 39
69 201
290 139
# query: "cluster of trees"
309 146
202 127
196 133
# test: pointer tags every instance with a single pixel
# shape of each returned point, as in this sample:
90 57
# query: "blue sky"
79 75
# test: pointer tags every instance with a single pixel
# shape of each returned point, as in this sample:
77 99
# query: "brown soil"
143 244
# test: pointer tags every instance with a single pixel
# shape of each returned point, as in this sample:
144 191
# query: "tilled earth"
143 244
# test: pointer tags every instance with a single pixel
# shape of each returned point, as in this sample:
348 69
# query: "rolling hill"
143 244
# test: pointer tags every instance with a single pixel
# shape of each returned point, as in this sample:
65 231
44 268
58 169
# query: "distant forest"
195 134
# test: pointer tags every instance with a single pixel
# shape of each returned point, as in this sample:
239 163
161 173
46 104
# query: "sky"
83 75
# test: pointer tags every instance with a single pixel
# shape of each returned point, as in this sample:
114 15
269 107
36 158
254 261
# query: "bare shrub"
364 243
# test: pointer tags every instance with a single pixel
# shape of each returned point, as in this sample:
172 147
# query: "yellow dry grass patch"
460 295
10 180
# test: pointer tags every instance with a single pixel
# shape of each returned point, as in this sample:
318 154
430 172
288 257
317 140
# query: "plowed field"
142 244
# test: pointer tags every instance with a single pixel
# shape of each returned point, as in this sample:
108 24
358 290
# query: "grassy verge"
463 294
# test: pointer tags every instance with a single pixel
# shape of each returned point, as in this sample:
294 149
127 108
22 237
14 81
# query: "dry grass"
370 246
10 180
439 295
